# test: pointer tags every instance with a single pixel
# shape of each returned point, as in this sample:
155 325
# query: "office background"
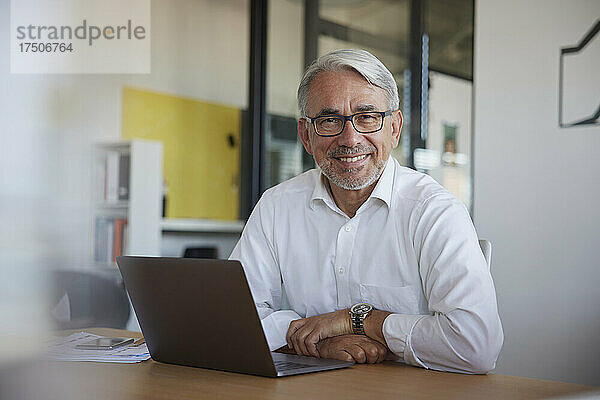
533 186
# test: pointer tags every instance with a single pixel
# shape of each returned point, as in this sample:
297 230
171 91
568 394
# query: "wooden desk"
152 380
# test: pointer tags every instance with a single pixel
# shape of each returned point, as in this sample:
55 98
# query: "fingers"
303 336
297 338
361 348
366 350
376 352
305 340
298 344
323 349
293 338
371 353
294 326
357 353
311 343
341 355
329 348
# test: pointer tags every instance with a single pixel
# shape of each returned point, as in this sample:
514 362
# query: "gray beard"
352 182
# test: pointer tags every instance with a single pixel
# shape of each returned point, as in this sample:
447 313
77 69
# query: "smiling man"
377 261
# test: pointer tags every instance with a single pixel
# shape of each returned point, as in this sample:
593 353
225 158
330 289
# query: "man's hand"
357 348
304 334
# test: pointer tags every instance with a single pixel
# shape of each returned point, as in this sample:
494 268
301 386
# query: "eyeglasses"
363 122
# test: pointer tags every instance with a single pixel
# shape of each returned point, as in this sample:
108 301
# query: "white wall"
200 49
537 189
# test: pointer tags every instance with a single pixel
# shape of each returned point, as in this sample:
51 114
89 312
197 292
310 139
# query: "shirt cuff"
397 330
276 325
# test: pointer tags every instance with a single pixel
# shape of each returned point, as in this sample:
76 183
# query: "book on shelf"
118 238
109 238
111 183
113 176
123 191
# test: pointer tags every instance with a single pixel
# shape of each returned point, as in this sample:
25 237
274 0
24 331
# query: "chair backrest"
486 248
93 300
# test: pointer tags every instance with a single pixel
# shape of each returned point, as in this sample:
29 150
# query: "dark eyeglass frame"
350 118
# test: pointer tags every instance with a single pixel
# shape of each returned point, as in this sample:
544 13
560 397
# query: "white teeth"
352 159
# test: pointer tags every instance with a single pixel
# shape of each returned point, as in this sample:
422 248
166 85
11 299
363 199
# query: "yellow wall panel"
201 168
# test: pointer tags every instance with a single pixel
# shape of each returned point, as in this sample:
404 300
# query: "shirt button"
341 270
348 228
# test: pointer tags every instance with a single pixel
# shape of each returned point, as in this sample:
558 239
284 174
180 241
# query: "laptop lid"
201 313
198 313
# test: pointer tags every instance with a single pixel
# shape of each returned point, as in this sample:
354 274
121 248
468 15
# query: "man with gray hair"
377 261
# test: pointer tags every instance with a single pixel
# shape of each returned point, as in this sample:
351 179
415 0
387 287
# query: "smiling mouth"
353 159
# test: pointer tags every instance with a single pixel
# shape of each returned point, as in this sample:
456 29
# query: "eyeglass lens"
363 123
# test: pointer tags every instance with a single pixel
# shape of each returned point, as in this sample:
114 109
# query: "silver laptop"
200 313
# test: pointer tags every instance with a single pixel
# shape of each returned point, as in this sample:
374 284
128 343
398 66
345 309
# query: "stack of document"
63 349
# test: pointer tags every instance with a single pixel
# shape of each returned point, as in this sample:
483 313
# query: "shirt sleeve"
463 333
256 252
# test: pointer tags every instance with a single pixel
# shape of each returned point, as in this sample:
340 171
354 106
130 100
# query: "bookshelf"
127 200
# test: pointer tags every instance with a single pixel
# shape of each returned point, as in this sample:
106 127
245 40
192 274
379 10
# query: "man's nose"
349 136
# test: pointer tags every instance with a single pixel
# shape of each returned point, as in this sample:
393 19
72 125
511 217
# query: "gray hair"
362 62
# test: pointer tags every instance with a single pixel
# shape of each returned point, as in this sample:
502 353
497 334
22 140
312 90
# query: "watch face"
361 308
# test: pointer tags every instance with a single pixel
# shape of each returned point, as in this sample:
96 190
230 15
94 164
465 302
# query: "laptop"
201 313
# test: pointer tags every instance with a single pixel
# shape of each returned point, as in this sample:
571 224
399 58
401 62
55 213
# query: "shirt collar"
383 189
321 192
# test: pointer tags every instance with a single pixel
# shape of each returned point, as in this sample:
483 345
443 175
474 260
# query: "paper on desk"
63 349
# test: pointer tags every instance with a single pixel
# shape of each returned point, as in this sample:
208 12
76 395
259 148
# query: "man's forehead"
331 90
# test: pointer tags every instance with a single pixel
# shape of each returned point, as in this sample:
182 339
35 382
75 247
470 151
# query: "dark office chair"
201 252
90 300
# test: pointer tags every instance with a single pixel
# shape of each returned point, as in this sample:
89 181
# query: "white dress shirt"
411 249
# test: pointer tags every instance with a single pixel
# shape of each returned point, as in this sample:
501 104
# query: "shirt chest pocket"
395 299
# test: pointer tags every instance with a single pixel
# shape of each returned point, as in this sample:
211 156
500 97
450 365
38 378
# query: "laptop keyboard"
288 366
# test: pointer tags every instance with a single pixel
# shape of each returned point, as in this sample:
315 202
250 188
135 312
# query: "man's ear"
397 121
304 134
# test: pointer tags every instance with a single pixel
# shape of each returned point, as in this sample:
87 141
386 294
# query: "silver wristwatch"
358 313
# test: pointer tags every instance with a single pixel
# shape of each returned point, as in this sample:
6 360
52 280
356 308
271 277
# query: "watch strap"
358 323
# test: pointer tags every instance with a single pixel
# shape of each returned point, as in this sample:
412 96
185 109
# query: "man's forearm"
459 341
304 334
453 345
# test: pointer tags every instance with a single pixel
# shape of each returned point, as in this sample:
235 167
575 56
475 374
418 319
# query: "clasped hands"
330 336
